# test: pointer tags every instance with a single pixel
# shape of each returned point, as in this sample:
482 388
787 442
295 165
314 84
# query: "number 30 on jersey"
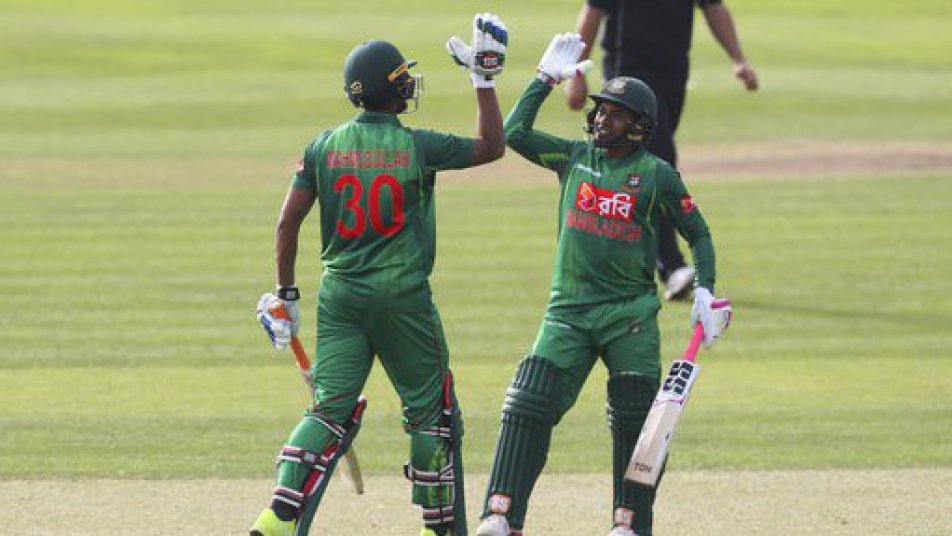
353 193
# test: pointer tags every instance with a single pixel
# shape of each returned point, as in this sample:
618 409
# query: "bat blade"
350 471
661 423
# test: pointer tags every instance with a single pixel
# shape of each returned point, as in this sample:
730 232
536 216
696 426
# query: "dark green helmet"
375 73
634 95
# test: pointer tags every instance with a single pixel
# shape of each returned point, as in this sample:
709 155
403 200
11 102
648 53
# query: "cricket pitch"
817 502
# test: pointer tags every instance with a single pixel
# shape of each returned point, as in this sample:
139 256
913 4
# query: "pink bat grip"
695 343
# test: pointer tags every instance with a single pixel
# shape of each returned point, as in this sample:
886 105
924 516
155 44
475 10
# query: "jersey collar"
377 117
637 155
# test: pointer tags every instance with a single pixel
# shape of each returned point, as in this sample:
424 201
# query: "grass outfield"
147 360
196 78
143 153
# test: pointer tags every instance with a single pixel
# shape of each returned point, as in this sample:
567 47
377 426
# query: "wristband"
290 293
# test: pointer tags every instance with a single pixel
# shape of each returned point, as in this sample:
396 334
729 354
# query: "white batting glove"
279 330
560 60
713 314
485 56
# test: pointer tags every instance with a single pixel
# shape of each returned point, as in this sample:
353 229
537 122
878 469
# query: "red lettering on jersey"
609 228
605 203
687 204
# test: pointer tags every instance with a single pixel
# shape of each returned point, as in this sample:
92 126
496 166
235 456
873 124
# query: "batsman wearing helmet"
651 40
374 179
604 299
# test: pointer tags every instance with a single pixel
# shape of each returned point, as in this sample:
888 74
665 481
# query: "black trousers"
670 105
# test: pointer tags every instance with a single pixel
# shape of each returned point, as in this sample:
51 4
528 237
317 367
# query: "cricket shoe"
268 524
496 525
679 283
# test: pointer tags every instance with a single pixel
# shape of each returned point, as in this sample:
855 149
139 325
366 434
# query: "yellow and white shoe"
268 524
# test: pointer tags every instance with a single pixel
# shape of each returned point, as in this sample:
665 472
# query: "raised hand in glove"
485 56
279 317
713 314
560 60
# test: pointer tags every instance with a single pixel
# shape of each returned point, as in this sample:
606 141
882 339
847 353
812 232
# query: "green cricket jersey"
374 182
607 245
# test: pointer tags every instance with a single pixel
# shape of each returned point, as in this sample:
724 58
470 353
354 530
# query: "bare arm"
589 21
297 204
490 138
721 23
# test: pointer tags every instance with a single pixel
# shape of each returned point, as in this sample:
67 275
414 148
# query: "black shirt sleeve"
604 5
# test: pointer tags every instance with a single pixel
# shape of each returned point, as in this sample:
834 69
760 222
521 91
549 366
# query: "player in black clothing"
650 40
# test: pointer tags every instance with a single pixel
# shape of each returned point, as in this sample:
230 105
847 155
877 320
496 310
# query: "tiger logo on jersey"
586 198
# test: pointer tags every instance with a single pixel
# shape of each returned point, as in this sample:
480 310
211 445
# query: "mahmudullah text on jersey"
369 159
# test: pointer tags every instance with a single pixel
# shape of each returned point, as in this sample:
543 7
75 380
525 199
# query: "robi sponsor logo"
605 203
604 213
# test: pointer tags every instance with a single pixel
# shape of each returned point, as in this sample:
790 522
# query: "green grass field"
144 150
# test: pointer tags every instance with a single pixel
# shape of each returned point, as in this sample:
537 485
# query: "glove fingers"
578 47
560 45
579 69
570 50
266 302
478 41
723 316
709 335
496 28
550 50
291 309
501 33
282 333
461 53
279 331
491 39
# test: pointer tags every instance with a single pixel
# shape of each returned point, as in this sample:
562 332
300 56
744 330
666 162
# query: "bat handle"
695 343
299 354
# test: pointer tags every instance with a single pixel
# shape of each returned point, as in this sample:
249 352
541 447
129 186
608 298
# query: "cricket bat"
350 469
655 438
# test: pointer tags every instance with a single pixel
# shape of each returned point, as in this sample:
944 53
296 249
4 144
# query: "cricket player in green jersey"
604 299
374 181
